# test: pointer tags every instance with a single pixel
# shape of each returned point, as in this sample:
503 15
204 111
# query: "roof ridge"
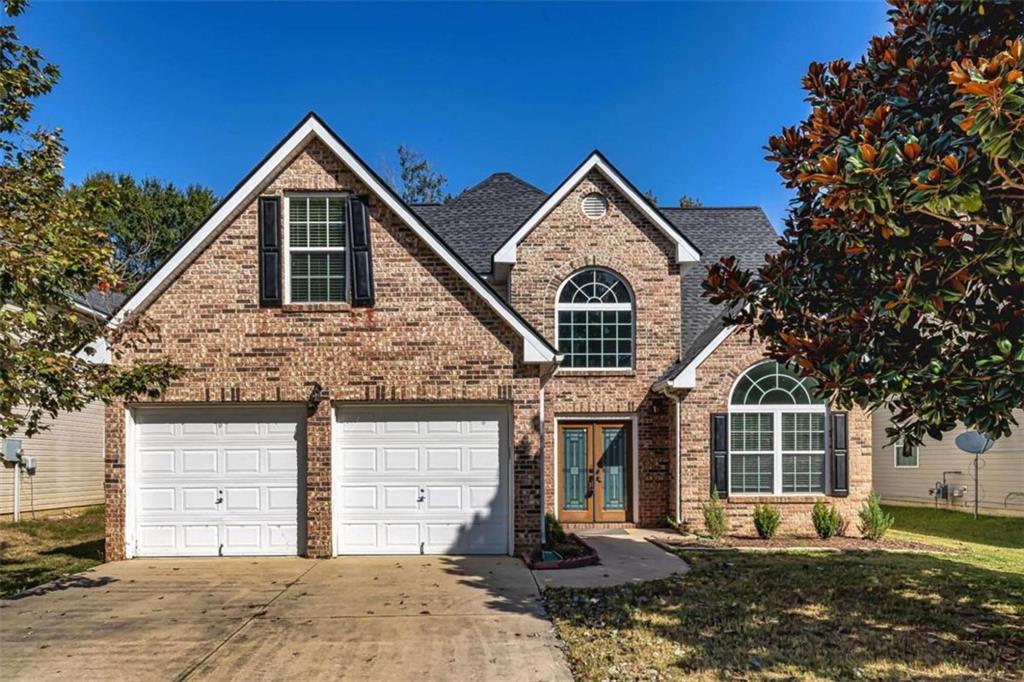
710 208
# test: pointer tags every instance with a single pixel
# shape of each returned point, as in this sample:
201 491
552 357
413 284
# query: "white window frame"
596 307
776 411
902 443
287 249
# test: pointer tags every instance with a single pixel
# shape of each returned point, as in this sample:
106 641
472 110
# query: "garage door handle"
421 496
220 496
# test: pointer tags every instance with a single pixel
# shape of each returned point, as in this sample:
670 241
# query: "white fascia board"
685 253
687 378
535 349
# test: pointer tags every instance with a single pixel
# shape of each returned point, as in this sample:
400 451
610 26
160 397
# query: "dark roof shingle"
478 221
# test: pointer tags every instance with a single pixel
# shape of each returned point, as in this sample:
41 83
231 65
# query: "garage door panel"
199 500
198 461
421 478
401 459
242 461
156 461
218 481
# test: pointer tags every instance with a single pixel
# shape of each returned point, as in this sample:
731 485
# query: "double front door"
593 471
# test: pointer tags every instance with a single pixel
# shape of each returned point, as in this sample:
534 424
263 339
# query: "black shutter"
839 440
270 251
360 255
720 454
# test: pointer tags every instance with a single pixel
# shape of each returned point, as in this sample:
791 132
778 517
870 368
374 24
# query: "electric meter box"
12 449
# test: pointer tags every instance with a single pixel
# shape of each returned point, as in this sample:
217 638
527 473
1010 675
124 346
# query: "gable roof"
743 232
478 221
535 348
686 252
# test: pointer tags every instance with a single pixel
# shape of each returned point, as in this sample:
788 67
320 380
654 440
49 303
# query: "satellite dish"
974 442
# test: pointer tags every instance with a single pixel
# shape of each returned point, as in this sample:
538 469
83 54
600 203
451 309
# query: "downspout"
543 450
679 463
543 473
666 390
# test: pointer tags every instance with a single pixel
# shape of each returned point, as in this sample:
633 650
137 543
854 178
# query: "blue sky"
681 97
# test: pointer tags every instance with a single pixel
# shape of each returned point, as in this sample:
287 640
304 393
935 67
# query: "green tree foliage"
899 280
686 201
419 182
146 220
50 250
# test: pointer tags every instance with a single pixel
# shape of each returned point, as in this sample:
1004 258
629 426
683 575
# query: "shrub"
874 523
714 515
766 520
558 540
827 520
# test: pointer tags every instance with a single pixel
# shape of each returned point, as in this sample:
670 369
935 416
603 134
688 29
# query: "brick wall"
623 241
428 338
715 379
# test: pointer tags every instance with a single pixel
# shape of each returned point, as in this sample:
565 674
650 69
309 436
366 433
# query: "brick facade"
715 378
428 338
626 242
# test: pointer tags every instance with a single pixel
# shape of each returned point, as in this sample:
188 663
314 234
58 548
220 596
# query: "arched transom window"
776 433
594 313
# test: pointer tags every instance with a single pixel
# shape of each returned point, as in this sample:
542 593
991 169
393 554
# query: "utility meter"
30 465
12 449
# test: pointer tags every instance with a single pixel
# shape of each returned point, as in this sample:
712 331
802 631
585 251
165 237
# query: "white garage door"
421 480
217 481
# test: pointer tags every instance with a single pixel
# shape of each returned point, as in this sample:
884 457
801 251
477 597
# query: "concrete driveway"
409 618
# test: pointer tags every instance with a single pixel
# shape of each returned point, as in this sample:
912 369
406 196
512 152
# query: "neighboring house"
68 449
908 475
364 376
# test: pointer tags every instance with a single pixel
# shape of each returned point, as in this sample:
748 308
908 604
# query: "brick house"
364 376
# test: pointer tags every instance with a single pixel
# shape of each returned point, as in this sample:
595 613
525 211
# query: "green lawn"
995 542
815 615
38 551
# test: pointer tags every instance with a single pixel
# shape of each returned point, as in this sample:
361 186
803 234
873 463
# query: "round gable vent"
594 205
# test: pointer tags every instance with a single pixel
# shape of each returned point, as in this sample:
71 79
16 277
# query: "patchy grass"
38 551
814 615
995 542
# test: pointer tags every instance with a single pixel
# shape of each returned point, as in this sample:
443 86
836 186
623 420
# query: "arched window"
776 433
594 312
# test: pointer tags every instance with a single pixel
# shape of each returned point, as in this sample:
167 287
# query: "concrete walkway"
374 618
626 557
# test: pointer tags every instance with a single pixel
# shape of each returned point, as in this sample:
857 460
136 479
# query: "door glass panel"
574 476
613 468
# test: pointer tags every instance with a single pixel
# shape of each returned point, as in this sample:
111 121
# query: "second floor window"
316 262
594 313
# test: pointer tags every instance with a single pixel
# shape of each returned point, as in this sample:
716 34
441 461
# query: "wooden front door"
593 471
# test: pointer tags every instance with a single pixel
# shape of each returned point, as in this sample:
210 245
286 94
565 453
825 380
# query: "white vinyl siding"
69 470
1001 481
316 264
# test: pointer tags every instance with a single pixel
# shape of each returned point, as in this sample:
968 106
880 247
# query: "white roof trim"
685 252
535 349
687 378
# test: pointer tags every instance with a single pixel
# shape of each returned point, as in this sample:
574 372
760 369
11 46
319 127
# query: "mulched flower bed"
791 542
583 553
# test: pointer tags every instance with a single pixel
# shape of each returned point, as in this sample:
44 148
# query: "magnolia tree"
899 280
49 252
